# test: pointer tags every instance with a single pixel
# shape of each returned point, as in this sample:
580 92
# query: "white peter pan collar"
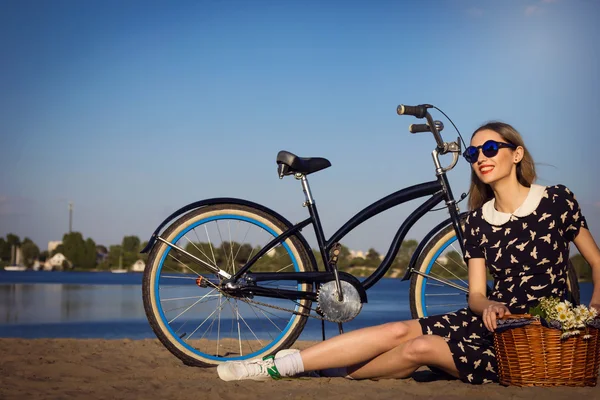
495 217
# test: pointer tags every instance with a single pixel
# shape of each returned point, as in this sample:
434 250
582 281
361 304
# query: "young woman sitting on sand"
517 229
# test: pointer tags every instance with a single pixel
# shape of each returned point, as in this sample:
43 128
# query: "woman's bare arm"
589 250
478 301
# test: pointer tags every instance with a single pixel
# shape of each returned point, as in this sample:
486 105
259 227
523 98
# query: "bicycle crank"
336 310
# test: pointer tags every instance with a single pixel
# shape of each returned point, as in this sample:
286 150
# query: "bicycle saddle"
290 164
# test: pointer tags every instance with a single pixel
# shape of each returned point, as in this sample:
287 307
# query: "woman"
519 230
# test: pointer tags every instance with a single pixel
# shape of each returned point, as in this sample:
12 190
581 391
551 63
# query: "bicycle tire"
163 310
427 259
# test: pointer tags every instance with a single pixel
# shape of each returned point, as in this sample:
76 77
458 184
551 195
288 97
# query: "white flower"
565 335
568 304
562 316
570 318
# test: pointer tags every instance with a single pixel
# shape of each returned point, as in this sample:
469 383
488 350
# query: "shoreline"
125 369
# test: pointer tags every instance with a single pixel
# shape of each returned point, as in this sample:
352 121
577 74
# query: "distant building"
55 262
18 255
357 253
362 254
52 245
138 266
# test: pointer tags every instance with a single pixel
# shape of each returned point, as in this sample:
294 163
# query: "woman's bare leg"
359 346
404 359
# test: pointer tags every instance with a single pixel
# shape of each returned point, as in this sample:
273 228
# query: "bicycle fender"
224 200
424 242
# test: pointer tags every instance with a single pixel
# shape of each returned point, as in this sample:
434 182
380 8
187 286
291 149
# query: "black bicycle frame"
438 190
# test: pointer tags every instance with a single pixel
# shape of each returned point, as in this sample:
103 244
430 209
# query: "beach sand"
144 369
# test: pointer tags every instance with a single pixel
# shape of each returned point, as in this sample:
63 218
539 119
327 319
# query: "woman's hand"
491 313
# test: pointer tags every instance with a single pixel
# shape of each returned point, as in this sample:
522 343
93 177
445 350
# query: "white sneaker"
256 370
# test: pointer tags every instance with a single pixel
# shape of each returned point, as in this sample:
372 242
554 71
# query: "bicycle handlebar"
435 127
419 111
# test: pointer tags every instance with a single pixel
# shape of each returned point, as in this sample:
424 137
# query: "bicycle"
254 300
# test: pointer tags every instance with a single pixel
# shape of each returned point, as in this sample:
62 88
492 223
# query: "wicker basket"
533 355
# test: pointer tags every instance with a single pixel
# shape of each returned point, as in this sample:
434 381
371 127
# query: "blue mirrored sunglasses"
489 149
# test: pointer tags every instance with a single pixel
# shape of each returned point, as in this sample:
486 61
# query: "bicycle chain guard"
335 310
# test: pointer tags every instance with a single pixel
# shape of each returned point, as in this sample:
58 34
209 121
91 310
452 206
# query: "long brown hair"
481 192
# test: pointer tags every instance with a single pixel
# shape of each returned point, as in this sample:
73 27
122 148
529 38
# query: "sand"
144 369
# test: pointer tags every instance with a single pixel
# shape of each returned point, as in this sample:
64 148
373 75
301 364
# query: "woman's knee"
401 330
422 349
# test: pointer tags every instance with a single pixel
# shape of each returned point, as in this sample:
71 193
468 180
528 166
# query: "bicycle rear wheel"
190 313
440 283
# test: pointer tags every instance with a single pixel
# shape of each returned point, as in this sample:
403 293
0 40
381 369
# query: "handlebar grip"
418 128
417 111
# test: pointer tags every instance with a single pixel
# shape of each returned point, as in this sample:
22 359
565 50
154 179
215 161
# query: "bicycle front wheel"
190 313
439 283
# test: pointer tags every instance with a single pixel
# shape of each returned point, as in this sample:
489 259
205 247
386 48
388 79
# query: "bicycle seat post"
305 189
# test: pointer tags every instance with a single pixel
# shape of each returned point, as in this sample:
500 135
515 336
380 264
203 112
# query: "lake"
109 306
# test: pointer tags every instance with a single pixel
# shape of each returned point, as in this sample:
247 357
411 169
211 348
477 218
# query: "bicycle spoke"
200 250
237 315
184 306
248 326
450 272
241 244
219 326
231 247
186 298
178 315
258 318
222 241
435 284
203 322
209 244
286 267
178 277
185 265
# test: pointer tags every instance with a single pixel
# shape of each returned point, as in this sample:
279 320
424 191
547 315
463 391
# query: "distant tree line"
85 254
81 253
29 250
364 265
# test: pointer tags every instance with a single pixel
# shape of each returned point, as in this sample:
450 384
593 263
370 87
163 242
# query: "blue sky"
133 109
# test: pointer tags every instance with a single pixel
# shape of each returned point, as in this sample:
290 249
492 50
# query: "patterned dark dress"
527 254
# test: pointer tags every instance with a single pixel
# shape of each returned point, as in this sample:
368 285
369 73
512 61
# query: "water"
109 306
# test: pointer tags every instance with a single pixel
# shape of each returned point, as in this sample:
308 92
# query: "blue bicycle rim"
431 263
159 305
